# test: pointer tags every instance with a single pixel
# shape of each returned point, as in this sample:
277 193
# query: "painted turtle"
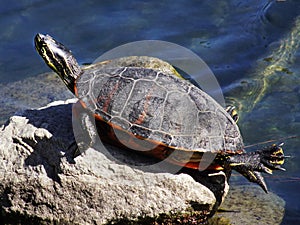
147 109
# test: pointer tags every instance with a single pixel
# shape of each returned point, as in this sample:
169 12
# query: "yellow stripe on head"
58 58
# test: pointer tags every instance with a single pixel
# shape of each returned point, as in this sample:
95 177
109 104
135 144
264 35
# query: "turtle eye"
43 50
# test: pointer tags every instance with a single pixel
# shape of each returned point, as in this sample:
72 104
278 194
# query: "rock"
40 182
33 92
249 204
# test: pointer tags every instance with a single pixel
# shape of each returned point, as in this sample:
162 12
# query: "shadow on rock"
48 152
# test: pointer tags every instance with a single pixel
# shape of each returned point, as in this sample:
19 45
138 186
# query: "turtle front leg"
84 129
252 163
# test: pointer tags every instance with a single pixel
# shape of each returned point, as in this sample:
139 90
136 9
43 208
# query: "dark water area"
252 47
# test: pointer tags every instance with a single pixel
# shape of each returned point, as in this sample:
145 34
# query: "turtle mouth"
38 42
47 48
51 51
44 42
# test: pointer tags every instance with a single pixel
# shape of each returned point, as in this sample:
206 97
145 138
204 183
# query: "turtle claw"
251 164
266 169
260 181
255 177
271 157
280 168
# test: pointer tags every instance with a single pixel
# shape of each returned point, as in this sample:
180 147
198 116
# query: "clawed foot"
270 159
251 164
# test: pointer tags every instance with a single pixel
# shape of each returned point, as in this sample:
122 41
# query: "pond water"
252 47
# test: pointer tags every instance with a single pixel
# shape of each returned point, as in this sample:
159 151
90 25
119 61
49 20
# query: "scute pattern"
145 105
139 73
159 107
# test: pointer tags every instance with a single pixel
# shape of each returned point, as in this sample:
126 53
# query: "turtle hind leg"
252 163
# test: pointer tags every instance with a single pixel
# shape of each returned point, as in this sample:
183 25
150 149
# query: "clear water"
239 40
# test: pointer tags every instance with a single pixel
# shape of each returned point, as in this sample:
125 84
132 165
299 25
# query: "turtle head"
58 58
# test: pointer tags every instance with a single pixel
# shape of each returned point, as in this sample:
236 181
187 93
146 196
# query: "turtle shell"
160 114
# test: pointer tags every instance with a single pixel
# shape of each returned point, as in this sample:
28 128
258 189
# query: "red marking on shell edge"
76 94
195 165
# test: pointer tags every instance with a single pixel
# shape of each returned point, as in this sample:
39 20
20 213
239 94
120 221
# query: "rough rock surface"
33 92
40 181
249 204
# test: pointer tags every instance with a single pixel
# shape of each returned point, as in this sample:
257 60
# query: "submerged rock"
249 204
40 182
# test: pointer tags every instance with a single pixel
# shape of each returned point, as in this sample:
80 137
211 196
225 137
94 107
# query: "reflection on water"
251 46
269 103
270 70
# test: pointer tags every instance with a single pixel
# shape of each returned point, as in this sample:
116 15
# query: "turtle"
157 112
